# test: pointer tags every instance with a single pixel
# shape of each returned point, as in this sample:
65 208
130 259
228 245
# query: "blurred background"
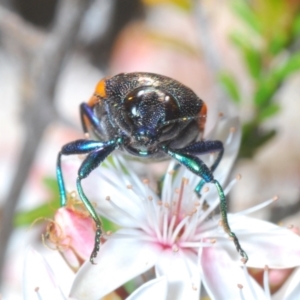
241 57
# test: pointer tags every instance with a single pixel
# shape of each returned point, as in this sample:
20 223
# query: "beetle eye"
132 101
171 108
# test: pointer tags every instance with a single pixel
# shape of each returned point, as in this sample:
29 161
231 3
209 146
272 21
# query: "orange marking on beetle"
93 101
100 92
202 114
101 88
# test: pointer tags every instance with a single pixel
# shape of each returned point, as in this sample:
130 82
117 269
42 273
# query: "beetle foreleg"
87 115
203 147
76 147
225 224
98 151
92 161
197 166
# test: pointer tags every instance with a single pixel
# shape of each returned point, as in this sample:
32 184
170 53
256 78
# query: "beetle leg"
76 147
92 161
98 151
203 147
88 118
198 167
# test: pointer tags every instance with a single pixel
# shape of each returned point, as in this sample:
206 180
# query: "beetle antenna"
184 119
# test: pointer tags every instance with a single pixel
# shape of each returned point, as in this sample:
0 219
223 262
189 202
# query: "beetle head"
147 109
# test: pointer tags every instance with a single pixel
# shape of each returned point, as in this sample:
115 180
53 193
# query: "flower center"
178 219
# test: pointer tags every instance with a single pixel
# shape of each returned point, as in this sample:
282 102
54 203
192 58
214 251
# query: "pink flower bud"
73 234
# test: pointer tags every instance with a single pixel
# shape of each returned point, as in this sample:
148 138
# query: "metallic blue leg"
203 147
212 169
195 165
76 147
225 224
87 111
98 151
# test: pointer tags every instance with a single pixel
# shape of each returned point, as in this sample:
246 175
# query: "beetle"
146 116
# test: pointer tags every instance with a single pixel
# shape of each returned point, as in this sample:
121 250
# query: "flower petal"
224 279
118 261
39 281
229 132
265 243
153 289
74 234
182 272
129 194
290 289
124 207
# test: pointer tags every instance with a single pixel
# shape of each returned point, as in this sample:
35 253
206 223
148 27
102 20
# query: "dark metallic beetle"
148 116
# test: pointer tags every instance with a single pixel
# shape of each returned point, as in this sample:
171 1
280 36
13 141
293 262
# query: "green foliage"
253 138
185 5
45 210
291 65
48 209
268 111
249 17
230 85
268 45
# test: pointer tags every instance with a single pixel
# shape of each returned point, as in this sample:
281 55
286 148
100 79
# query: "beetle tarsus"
97 243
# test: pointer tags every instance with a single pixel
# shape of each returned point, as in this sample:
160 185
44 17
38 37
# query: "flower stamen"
266 282
178 229
257 207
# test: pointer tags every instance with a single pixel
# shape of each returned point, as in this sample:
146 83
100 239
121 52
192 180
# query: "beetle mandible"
151 117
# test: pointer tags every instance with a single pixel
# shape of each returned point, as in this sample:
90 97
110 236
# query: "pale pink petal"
74 234
153 289
224 279
39 281
182 273
265 243
291 289
118 261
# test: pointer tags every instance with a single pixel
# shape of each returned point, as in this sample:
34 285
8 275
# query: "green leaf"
109 225
245 12
253 61
278 43
51 184
296 26
291 65
266 89
130 286
239 40
264 137
230 85
252 56
268 86
253 138
46 210
268 111
185 5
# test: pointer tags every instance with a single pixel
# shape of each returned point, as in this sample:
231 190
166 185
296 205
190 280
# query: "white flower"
175 235
289 291
40 282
